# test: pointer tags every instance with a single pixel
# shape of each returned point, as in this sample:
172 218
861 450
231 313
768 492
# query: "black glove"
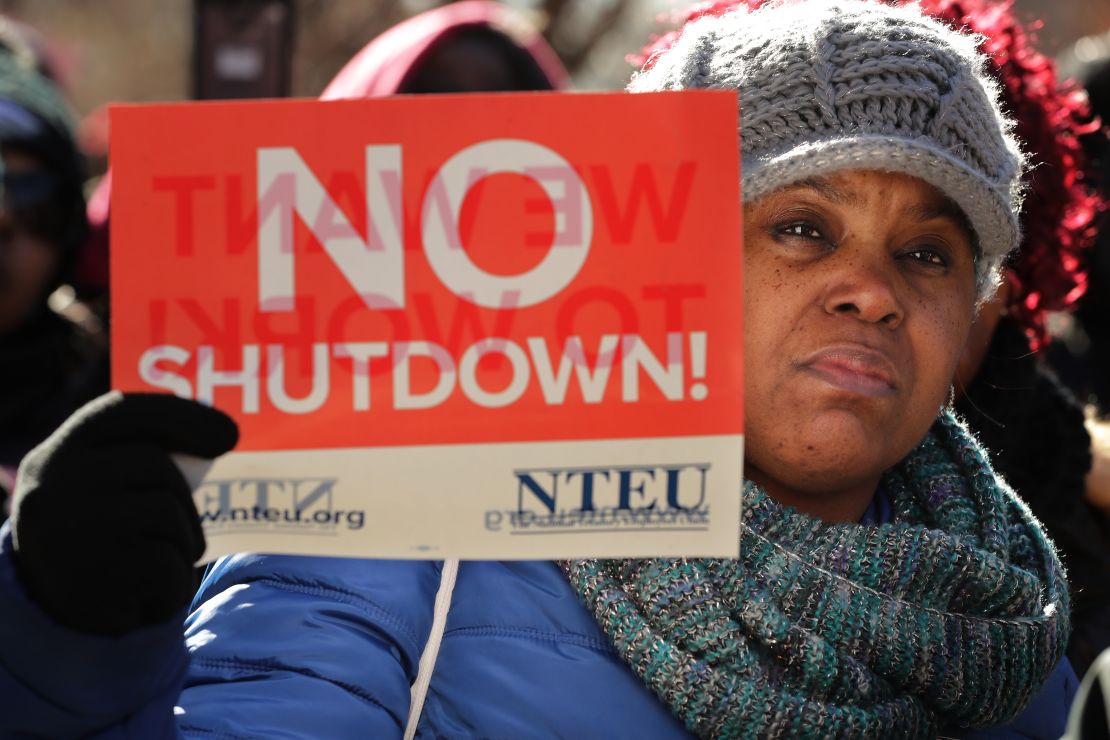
104 526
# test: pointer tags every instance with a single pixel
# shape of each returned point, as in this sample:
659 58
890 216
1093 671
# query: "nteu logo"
278 503
612 498
634 487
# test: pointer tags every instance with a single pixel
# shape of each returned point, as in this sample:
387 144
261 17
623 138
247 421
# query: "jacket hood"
382 66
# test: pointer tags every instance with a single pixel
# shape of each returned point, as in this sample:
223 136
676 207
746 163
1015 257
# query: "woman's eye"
928 256
801 230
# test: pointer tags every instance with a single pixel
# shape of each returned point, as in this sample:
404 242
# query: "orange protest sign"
533 294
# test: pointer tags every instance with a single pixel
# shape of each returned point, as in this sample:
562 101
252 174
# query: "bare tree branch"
555 10
576 57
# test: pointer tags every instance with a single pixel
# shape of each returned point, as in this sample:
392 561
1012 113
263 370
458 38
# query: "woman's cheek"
950 336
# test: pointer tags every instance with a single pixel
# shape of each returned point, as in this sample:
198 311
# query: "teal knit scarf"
953 615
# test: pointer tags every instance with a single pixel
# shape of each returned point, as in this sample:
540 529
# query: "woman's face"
859 294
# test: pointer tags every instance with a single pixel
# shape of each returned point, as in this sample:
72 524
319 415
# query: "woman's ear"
982 332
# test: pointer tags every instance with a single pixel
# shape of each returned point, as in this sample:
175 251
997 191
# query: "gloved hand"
104 527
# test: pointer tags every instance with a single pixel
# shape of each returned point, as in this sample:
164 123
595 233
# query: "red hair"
1062 204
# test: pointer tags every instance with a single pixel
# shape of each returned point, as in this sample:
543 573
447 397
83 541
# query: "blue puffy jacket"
297 647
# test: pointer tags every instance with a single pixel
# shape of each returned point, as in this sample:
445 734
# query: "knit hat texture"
830 85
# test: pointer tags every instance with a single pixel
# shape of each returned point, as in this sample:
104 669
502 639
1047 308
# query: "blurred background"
144 50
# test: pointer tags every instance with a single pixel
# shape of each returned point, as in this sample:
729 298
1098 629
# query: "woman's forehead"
854 188
851 186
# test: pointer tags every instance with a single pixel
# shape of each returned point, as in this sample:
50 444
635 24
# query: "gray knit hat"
830 85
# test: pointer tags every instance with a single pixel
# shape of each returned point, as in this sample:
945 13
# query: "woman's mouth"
854 369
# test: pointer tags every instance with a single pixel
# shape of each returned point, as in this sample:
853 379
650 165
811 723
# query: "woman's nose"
866 288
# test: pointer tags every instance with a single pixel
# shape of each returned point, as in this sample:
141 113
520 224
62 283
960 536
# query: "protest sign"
490 326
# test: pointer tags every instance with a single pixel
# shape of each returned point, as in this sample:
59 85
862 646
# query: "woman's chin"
832 463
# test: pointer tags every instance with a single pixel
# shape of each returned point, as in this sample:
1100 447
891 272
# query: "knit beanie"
827 85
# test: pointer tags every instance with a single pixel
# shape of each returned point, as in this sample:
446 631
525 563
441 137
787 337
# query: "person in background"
888 584
1084 360
1005 390
50 364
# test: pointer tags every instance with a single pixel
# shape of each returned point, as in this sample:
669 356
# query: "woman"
888 585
